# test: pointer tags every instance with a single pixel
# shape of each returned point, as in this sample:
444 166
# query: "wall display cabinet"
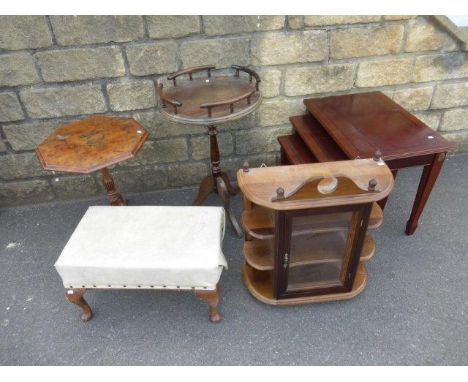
306 226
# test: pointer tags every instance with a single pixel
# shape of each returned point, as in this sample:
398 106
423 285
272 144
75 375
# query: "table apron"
423 160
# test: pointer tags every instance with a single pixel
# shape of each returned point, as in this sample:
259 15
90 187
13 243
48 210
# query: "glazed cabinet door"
317 251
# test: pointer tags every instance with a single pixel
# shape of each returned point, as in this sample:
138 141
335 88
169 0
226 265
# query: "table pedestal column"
218 182
115 198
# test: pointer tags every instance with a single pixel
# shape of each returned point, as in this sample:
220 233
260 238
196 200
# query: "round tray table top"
91 144
193 93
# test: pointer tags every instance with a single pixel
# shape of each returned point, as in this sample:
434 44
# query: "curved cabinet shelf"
260 285
259 222
259 253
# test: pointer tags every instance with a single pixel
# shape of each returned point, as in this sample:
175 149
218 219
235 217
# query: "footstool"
145 247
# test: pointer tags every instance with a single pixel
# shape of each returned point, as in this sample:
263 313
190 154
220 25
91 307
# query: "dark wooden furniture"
209 100
306 227
355 126
93 144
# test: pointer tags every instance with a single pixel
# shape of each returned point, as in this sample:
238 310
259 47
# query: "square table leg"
428 179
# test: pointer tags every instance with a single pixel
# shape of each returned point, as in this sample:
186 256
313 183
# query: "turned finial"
245 166
377 155
280 193
372 184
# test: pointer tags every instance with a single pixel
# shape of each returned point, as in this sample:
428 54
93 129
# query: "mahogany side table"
93 144
210 101
355 126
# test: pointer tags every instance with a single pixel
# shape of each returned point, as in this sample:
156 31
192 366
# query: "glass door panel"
317 251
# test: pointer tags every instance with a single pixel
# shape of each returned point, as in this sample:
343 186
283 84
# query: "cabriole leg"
212 299
75 296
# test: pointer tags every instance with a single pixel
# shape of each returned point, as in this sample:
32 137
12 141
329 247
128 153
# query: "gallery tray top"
362 123
210 100
311 185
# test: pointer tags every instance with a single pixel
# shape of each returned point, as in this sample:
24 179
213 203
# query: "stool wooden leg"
75 296
212 299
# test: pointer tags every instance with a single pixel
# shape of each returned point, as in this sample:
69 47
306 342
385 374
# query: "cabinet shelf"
259 253
259 222
260 284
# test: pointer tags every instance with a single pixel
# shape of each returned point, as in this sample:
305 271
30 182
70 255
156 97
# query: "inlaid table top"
91 144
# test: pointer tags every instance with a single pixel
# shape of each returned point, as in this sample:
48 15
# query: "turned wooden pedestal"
93 144
218 182
210 101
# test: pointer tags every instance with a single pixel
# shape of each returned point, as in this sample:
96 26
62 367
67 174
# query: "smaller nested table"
211 100
93 144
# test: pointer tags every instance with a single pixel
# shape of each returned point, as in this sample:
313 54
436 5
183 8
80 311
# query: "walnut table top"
91 144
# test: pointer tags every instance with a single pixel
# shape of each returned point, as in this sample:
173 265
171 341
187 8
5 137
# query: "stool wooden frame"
210 297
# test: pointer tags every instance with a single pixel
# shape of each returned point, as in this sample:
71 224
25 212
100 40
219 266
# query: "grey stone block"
364 41
270 82
172 26
459 139
61 101
186 174
10 108
219 25
450 95
221 52
257 141
415 98
142 179
27 136
23 192
430 118
152 58
160 127
131 95
17 69
276 111
314 21
422 35
76 187
455 119
440 67
201 145
296 22
319 79
160 151
286 48
3 147
15 166
24 32
384 72
81 63
80 30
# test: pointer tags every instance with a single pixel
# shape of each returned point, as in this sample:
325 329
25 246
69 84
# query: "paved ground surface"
413 311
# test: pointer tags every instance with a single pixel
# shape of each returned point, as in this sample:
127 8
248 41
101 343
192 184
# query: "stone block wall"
57 69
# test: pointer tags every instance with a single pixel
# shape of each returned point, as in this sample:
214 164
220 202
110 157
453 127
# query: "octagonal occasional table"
209 101
93 144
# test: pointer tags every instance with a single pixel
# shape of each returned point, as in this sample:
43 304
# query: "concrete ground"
413 311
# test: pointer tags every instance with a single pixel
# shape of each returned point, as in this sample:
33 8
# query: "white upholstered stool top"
145 247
